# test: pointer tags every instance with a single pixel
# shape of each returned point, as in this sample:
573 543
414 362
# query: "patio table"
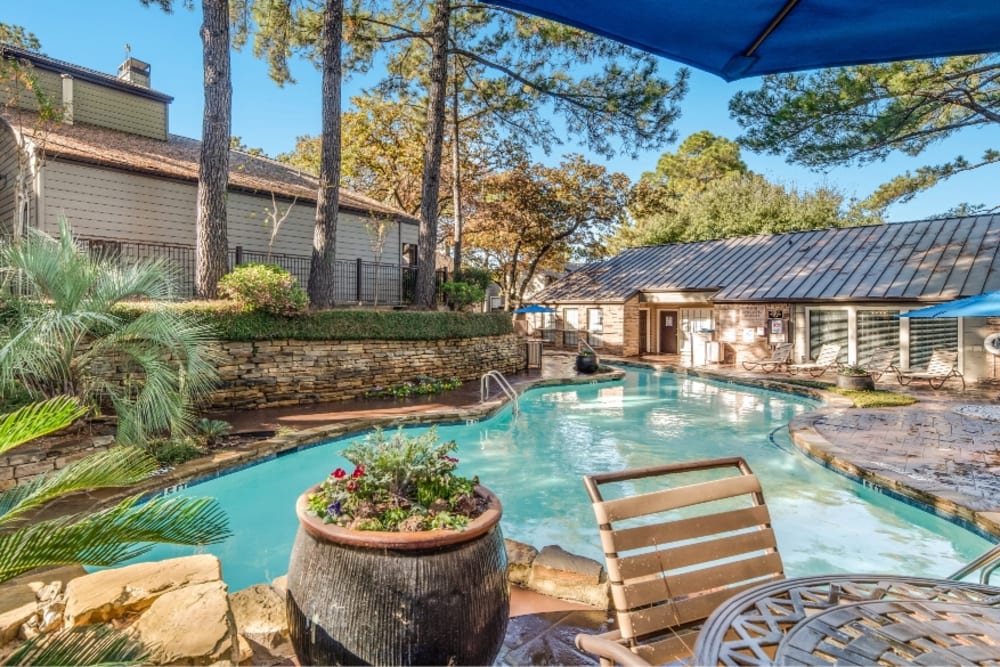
855 619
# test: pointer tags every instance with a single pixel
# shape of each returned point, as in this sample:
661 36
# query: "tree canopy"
705 191
857 115
532 218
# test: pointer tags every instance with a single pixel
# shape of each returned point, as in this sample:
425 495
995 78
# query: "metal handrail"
987 564
501 381
581 343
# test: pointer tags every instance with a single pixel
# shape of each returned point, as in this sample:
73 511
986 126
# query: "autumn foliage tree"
533 218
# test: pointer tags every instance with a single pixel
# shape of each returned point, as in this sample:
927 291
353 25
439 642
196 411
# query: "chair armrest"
603 647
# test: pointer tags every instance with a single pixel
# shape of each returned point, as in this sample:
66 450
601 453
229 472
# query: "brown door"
668 332
643 332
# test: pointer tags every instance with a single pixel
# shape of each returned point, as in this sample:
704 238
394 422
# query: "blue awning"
535 308
981 305
736 39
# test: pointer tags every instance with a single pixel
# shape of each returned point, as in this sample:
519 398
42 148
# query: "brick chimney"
134 71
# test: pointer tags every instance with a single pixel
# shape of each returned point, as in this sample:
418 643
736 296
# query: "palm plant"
68 338
104 538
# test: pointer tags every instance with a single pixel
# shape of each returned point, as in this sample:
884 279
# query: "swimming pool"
535 460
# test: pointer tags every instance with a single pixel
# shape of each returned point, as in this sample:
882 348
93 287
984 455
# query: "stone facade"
27 462
294 372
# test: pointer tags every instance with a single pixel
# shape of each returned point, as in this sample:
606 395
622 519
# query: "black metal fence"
357 282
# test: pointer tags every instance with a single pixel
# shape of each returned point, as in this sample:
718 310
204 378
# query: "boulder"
108 594
520 556
558 573
260 615
12 620
190 626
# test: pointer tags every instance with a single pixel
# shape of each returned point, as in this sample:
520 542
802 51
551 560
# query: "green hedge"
348 324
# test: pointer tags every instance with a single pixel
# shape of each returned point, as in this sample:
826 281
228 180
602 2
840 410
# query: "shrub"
170 452
264 287
462 295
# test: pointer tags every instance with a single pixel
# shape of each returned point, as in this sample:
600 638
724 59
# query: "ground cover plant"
420 386
876 398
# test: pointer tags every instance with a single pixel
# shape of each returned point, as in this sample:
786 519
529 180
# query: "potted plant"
855 378
586 361
398 561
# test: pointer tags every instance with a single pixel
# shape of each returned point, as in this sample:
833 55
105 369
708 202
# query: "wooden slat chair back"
826 358
695 535
780 356
880 361
943 364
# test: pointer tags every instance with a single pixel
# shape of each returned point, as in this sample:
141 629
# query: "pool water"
534 462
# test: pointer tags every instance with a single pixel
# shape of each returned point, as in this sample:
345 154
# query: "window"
595 326
877 328
927 335
408 254
571 320
826 326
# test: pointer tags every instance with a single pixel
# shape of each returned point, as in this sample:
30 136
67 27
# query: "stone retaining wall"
294 372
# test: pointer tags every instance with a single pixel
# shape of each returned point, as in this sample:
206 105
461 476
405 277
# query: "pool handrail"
987 563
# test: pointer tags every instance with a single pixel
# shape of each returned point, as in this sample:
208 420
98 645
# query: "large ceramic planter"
427 598
855 382
586 363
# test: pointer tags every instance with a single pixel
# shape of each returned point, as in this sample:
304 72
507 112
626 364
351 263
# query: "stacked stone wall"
294 372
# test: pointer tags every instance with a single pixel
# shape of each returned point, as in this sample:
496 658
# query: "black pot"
586 363
855 382
371 598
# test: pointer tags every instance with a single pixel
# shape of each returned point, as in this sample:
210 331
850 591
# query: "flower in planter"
853 370
585 353
398 484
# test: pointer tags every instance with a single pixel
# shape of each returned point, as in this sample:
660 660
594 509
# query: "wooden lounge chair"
779 357
943 365
880 362
826 359
701 534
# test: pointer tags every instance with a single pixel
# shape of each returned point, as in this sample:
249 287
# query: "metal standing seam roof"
925 260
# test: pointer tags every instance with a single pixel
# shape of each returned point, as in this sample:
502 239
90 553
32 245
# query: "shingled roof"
177 157
928 260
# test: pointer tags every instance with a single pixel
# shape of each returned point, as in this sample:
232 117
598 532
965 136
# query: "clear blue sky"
93 34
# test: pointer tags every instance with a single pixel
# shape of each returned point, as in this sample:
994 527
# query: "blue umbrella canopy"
535 308
981 305
736 39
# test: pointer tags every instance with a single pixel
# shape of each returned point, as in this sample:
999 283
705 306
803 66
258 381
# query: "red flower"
339 473
352 486
358 472
449 459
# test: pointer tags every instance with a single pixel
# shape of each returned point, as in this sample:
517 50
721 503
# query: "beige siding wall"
8 173
118 110
105 107
49 83
118 205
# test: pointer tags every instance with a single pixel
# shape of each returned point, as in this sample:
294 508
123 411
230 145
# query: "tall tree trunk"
212 247
456 181
431 183
324 254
